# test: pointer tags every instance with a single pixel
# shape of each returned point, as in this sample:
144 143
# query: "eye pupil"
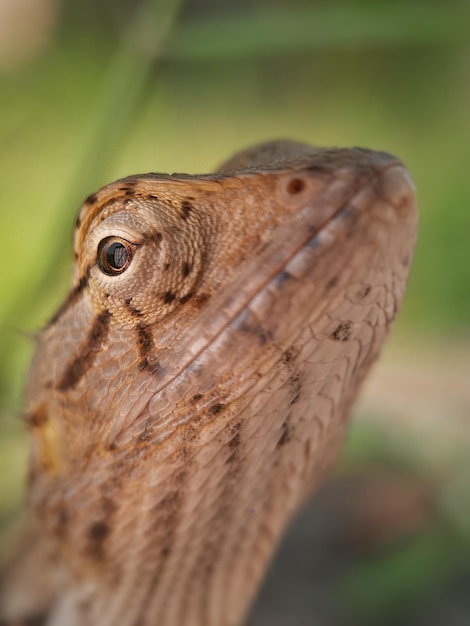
114 255
117 255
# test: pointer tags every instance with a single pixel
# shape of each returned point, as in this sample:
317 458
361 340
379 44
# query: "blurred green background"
94 90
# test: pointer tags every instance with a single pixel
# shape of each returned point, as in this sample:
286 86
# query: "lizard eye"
114 255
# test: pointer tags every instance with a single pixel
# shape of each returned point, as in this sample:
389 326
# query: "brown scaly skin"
195 384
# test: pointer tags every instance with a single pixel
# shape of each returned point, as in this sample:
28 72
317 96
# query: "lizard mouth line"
289 240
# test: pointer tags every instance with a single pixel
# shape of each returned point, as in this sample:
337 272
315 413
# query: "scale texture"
195 385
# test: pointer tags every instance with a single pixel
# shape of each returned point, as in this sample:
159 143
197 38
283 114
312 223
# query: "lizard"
195 385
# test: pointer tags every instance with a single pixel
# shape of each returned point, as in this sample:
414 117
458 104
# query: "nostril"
296 189
295 185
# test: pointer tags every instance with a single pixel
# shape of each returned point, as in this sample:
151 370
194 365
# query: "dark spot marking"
287 356
314 242
332 283
406 261
195 398
186 269
283 277
153 368
285 435
184 453
98 330
185 298
233 445
98 531
73 373
128 187
235 428
364 292
143 365
186 208
38 418
168 297
167 267
152 236
342 332
92 198
97 534
234 442
346 212
232 457
200 300
75 255
296 383
80 365
295 186
152 196
216 408
105 205
253 327
132 310
144 340
83 282
180 478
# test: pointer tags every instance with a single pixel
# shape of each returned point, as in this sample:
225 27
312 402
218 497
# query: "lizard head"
217 326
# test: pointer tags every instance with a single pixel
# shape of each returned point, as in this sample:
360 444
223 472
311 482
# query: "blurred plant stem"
127 77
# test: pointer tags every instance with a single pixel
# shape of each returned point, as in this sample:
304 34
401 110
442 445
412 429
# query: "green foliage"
379 591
